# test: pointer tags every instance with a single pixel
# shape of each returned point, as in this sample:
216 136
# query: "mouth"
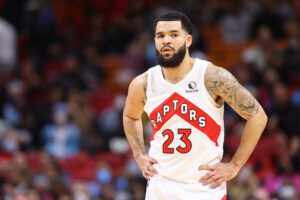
166 50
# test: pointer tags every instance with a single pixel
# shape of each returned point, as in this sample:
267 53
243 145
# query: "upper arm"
220 82
136 97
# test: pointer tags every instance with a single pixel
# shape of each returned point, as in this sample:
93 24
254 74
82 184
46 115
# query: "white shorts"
161 188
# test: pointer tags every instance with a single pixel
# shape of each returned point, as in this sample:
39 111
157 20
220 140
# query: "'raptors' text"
182 109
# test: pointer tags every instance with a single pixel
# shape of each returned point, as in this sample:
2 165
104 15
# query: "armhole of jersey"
211 100
148 74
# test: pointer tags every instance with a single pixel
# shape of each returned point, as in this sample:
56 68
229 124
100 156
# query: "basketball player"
184 98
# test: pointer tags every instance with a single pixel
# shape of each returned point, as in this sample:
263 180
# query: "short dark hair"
174 15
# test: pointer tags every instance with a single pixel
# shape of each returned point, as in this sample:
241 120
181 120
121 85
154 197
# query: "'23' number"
184 138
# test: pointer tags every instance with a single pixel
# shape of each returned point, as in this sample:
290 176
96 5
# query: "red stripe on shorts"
224 198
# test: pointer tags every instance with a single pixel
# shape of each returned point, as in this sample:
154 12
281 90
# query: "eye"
160 36
174 35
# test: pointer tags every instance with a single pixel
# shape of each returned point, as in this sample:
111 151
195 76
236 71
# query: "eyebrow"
172 31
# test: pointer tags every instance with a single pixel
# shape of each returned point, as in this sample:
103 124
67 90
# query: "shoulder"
219 82
136 97
215 73
139 81
138 87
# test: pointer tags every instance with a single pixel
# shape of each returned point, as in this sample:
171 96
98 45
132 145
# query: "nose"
167 40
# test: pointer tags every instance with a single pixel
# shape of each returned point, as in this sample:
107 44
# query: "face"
171 43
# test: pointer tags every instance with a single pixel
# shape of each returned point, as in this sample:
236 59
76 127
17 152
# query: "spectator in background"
269 78
14 110
33 195
71 77
292 53
198 46
38 21
80 191
52 66
15 176
283 9
236 23
83 117
288 113
61 138
8 39
49 181
270 17
264 52
134 55
14 103
91 71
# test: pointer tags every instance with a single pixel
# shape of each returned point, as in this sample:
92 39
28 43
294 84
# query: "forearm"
134 133
252 132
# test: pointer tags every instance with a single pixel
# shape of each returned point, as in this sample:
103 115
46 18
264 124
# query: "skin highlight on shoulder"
141 81
136 97
219 82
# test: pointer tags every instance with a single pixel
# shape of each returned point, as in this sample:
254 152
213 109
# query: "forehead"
167 26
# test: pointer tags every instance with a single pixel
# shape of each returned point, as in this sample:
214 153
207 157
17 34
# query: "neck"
176 74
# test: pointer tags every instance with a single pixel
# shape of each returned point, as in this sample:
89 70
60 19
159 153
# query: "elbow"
263 118
260 118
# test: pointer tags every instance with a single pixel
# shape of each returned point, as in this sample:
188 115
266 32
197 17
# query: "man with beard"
183 98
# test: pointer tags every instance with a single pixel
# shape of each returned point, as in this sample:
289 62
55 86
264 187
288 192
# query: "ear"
189 40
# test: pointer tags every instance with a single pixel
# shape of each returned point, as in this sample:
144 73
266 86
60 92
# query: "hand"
218 174
145 163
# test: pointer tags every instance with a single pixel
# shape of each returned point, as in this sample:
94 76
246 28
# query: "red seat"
80 167
34 161
115 161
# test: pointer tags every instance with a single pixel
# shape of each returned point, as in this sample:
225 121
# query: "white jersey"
187 124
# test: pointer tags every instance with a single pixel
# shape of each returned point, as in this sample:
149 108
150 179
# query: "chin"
167 55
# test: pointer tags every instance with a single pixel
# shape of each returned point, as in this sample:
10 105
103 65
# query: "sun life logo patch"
192 87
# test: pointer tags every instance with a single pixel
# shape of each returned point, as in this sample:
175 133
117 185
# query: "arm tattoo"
222 84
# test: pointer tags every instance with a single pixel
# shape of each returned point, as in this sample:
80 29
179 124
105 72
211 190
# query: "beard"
173 61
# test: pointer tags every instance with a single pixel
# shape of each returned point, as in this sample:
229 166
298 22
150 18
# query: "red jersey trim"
177 104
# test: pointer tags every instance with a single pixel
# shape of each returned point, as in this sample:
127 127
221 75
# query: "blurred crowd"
65 66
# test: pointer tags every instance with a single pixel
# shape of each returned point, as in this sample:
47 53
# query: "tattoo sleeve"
221 83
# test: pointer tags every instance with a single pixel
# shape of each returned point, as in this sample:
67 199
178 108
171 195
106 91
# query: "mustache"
168 47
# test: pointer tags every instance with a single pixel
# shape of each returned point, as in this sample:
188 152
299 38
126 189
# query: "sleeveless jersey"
187 124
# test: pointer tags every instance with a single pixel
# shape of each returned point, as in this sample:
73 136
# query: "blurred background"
65 66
